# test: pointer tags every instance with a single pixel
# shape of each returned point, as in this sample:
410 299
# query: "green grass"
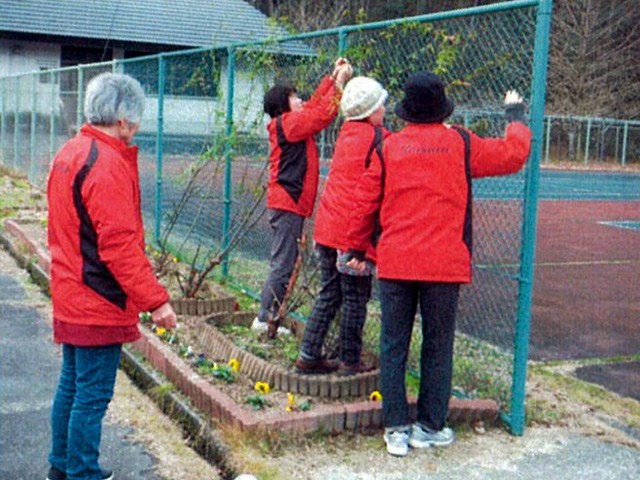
595 396
16 194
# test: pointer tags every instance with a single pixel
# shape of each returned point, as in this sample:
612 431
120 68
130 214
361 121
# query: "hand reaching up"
514 107
342 71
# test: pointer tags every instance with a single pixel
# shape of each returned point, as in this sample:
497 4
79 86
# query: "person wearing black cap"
420 187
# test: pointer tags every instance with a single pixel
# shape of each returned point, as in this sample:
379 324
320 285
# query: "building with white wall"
39 35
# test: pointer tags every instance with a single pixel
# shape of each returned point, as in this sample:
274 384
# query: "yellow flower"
175 260
215 366
291 400
160 331
234 364
288 409
262 387
375 396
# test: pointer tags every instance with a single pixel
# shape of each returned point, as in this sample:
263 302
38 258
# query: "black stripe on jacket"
467 230
292 167
95 273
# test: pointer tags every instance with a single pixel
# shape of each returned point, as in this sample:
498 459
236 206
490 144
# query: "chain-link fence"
589 140
203 151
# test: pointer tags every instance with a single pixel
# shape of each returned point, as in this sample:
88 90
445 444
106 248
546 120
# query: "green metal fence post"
587 142
530 210
3 119
159 146
16 125
547 141
33 165
226 220
342 41
342 46
52 120
79 115
625 135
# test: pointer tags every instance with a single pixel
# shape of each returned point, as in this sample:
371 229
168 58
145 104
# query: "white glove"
512 97
514 107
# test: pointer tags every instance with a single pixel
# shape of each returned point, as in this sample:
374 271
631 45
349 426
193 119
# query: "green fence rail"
203 150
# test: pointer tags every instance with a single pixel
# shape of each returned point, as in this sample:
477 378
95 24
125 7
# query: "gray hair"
111 97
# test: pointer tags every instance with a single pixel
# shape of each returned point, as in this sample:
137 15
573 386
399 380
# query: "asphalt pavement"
29 368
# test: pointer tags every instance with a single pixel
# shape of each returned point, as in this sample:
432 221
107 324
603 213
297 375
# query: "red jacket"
293 158
100 275
347 166
423 204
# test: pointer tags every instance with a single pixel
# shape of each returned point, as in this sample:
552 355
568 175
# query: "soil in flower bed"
281 352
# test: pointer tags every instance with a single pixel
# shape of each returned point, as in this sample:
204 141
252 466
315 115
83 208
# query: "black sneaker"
55 474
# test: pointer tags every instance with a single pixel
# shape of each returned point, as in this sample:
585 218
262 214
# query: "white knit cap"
361 97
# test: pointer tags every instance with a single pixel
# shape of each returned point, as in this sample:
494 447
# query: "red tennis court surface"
587 280
586 301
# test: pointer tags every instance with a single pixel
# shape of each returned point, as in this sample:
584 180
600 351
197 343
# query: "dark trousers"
399 301
287 230
347 293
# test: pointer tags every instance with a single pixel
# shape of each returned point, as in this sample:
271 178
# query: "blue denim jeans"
287 230
399 301
350 294
84 391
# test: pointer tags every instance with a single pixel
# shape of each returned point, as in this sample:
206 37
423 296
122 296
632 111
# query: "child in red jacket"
348 291
293 177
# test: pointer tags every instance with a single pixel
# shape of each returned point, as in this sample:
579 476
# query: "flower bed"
210 352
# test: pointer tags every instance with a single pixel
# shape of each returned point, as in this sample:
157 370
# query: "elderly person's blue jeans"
85 389
399 301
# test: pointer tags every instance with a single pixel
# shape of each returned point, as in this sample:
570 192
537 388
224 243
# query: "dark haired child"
293 177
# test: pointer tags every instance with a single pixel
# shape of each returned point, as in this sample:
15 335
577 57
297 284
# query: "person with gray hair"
111 97
101 279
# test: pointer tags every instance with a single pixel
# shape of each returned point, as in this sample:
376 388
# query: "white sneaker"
422 437
261 327
258 326
397 442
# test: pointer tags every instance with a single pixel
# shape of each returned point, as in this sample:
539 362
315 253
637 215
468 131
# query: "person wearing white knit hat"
343 288
361 98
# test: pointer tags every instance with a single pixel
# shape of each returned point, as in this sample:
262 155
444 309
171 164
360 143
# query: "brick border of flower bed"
220 347
204 306
335 418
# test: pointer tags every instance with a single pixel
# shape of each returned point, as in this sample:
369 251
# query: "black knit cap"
424 100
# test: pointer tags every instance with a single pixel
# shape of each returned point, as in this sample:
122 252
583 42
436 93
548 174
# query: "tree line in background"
594 65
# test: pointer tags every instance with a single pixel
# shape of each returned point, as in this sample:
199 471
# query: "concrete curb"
203 438
357 416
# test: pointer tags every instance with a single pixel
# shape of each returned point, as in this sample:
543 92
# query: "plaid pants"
346 293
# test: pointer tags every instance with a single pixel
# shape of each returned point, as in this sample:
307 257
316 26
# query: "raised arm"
503 156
